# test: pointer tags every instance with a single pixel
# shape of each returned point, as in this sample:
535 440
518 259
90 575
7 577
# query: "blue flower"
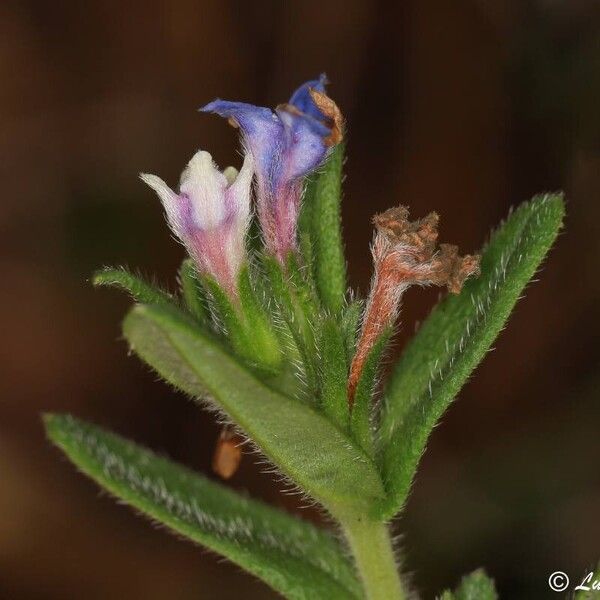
286 144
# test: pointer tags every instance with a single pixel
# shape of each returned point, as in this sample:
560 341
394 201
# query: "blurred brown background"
466 107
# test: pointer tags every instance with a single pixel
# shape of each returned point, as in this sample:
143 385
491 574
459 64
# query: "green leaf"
455 338
305 242
350 325
254 239
139 289
296 312
301 442
362 410
292 556
228 317
323 201
475 586
263 344
334 374
303 290
193 294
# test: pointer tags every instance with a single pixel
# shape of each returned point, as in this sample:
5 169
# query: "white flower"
210 215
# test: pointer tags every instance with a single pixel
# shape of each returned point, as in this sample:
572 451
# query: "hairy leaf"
297 311
292 556
323 199
139 289
334 374
362 411
475 586
303 288
263 345
455 338
194 296
350 325
228 316
299 440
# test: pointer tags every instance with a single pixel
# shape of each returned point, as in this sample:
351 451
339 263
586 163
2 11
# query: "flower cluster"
211 212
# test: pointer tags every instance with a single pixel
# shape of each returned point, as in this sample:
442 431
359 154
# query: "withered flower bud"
405 253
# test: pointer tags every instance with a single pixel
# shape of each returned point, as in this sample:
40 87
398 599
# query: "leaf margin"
88 447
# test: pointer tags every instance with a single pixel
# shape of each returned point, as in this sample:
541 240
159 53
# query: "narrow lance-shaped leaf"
260 333
301 442
139 289
227 316
249 325
323 198
296 313
475 586
334 374
303 289
305 242
363 402
350 324
192 292
455 338
294 557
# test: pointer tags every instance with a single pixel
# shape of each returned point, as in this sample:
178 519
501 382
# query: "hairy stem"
371 547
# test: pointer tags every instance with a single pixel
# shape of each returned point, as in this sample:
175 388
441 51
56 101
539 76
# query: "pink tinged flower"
210 215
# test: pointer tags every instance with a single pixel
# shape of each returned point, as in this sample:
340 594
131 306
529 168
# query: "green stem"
371 547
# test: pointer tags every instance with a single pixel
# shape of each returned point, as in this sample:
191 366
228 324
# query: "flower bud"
210 215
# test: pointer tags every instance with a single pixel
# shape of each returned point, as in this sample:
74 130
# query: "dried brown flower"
404 253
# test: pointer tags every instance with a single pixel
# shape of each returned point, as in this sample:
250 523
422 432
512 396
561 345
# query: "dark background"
465 107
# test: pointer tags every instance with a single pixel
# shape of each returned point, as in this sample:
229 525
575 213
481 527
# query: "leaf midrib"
144 493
